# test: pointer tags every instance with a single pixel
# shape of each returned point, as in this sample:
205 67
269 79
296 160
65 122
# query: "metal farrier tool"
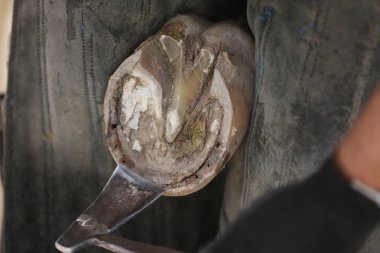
175 111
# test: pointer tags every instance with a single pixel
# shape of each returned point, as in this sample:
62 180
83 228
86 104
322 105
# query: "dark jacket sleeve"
319 215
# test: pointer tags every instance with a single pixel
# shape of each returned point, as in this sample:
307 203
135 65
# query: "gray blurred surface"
316 62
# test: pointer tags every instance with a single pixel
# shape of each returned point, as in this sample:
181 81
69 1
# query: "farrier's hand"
358 154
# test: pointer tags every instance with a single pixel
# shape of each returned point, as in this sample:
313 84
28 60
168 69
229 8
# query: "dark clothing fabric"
316 63
322 214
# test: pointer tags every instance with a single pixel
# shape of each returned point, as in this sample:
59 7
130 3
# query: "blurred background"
5 31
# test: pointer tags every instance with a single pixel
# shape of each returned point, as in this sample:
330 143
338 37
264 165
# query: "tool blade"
124 195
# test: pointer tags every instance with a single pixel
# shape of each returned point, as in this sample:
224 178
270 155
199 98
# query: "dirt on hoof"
179 106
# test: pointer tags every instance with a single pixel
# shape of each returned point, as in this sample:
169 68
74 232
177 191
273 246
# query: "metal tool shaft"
124 195
122 245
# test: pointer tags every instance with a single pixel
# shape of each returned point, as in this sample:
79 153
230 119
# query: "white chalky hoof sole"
178 107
